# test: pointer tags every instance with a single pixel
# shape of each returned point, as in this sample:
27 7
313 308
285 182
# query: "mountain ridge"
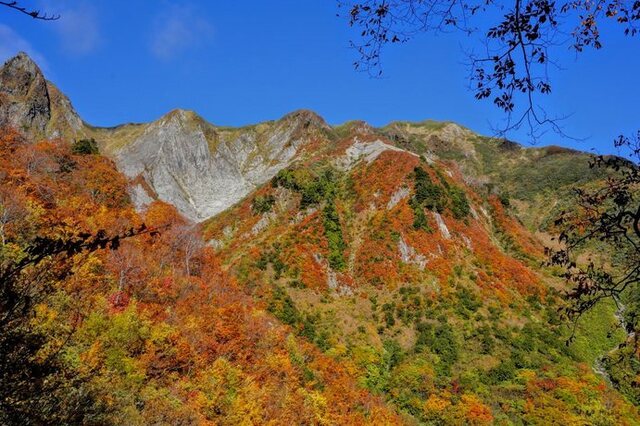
232 161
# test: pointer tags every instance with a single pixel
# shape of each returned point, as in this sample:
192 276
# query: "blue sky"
238 63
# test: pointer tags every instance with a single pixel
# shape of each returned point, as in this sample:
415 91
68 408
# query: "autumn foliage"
314 301
156 329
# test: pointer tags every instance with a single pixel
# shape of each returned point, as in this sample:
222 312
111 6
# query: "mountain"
203 169
307 273
180 158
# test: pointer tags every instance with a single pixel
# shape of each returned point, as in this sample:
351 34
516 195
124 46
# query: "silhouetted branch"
512 71
34 13
609 216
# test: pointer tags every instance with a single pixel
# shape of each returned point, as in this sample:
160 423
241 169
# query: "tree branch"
34 13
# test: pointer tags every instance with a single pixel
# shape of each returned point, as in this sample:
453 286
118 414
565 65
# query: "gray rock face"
409 255
367 151
24 98
34 106
442 226
398 196
203 170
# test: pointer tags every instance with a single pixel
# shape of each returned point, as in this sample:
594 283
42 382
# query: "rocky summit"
24 94
31 103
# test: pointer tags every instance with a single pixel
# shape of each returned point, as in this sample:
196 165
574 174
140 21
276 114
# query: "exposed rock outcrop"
409 255
367 151
442 226
202 169
33 105
398 196
24 98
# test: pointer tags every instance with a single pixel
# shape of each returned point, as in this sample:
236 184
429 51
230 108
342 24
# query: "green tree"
85 147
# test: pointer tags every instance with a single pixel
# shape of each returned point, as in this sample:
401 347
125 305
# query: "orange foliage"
376 182
500 271
201 334
476 412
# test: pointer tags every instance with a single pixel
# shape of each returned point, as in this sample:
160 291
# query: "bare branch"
34 13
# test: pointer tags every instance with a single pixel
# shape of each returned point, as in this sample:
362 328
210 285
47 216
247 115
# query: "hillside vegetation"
154 332
291 272
432 287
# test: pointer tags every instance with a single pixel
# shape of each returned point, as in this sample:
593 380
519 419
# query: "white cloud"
79 29
11 43
176 29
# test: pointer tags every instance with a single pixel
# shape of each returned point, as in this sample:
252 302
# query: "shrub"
272 257
445 343
427 193
436 197
85 147
505 199
419 218
283 308
392 353
313 187
459 204
505 371
263 204
440 340
468 301
311 332
389 309
487 341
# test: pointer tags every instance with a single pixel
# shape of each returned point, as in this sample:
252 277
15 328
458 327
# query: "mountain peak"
180 112
188 120
19 74
32 105
23 61
307 117
25 98
356 127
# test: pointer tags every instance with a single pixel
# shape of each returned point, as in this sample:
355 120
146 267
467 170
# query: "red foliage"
118 301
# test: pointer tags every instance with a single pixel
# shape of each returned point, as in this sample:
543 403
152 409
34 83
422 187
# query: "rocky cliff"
28 102
202 169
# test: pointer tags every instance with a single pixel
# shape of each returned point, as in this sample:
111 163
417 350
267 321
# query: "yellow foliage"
435 404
